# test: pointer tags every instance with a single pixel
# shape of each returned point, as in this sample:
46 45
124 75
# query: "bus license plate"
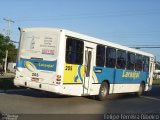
35 79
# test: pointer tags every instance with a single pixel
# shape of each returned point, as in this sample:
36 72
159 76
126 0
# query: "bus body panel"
38 58
119 79
74 74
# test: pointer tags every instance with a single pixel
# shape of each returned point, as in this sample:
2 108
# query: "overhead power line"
91 15
143 46
13 41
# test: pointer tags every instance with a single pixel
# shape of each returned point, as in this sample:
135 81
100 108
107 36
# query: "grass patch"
7 83
156 82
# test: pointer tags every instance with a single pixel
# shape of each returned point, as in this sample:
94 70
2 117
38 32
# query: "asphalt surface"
27 104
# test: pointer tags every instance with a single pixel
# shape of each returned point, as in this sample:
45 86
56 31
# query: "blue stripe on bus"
119 76
38 64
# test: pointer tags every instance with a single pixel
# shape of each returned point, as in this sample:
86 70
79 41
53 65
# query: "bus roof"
89 39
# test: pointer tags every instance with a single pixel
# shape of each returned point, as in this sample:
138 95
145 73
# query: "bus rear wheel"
103 91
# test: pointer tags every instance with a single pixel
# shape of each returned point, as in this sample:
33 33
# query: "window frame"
73 51
129 62
138 62
121 62
100 57
144 64
110 60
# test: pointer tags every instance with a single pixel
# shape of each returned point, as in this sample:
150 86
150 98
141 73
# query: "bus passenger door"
88 69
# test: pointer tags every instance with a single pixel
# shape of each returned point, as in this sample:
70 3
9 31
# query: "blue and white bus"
66 62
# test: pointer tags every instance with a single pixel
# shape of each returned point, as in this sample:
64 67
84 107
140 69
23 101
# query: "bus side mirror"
19 28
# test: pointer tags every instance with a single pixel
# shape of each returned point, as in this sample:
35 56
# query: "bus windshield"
41 45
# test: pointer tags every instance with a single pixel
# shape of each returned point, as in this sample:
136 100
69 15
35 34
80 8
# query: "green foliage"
7 83
158 65
6 45
156 82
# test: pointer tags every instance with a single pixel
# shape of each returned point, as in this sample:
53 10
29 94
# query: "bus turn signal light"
58 78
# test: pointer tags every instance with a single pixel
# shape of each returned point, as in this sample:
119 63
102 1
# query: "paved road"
40 103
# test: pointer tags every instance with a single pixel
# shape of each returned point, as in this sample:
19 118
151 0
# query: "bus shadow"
44 94
116 96
36 94
122 96
154 92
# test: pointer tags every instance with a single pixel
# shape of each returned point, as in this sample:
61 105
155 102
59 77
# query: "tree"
6 45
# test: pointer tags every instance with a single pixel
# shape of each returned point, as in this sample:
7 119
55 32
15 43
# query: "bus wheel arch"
107 81
141 88
104 90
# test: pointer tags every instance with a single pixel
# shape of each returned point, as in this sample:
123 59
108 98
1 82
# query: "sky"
126 22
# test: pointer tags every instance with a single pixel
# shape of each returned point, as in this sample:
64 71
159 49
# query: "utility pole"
5 62
9 26
8 34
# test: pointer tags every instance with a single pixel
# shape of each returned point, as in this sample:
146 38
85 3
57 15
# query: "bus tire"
141 90
103 91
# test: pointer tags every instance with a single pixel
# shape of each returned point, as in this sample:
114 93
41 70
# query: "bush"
7 83
156 82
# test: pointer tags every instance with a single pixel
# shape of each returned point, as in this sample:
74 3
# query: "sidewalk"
8 75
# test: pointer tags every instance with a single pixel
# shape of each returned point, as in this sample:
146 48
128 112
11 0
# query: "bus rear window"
39 44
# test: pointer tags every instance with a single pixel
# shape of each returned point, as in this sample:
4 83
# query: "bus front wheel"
141 89
103 91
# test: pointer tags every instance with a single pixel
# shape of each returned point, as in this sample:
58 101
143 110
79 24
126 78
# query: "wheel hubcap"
103 91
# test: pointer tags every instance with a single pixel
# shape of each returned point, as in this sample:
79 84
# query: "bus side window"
145 64
100 56
110 57
139 63
121 59
130 61
74 51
